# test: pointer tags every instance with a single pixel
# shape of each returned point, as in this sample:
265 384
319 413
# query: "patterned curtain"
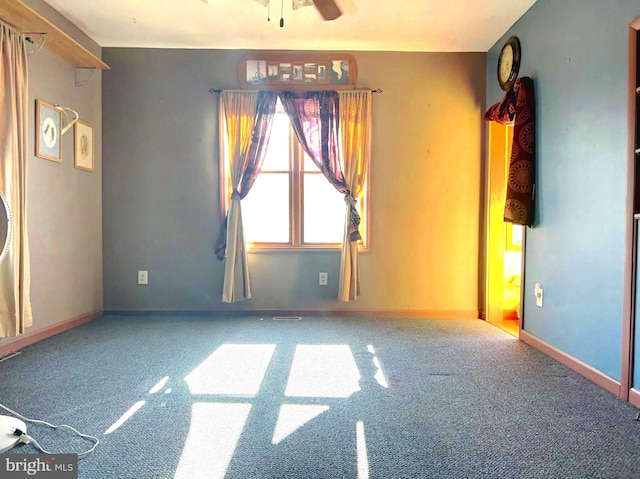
518 105
248 118
15 272
355 133
314 116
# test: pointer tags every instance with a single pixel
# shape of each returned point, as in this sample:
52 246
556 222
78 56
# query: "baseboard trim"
369 313
578 366
634 397
14 344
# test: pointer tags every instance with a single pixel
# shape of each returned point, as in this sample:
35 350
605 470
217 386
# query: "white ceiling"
372 25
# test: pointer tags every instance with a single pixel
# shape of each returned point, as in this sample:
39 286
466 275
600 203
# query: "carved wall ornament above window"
263 71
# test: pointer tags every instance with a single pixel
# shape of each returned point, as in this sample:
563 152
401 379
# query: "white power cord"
25 438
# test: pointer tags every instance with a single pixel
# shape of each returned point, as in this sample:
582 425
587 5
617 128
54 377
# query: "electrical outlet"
323 279
539 293
143 277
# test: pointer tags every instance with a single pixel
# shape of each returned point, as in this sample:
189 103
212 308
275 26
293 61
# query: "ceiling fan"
328 9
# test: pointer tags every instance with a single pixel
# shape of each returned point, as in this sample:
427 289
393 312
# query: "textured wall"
65 204
577 54
161 210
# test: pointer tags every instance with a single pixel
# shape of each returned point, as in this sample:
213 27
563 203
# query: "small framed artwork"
272 72
322 72
48 130
256 72
339 73
83 145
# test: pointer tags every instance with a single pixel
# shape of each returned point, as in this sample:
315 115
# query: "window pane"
265 210
309 165
277 156
324 211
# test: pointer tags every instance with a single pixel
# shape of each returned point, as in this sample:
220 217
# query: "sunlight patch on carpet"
292 417
324 371
132 410
361 448
212 440
159 385
232 369
379 376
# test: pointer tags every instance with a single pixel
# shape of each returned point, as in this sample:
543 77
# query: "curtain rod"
216 90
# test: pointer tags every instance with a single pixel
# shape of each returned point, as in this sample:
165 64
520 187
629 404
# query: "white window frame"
296 200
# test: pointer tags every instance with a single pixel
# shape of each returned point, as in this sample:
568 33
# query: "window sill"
300 249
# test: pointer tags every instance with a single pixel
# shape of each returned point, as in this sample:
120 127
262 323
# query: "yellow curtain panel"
15 276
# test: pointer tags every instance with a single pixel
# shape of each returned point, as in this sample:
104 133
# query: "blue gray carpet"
215 398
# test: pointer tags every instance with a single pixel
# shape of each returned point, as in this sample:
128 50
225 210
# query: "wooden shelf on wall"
27 20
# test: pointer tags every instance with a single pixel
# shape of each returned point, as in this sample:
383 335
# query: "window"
291 204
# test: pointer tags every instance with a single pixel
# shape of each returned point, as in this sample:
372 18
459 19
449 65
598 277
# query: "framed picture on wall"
83 145
48 131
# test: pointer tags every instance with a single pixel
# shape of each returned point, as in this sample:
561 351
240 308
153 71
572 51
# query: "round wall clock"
509 63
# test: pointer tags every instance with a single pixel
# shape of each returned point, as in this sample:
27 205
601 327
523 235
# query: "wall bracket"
84 75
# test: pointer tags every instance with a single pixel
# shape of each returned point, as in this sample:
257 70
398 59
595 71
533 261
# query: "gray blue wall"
160 190
65 204
576 52
161 196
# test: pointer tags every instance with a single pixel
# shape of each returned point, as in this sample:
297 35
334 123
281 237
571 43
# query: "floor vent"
287 318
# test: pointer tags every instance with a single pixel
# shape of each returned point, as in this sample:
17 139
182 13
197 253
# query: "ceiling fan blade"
347 6
328 9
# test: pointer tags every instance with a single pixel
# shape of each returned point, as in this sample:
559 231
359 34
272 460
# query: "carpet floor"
243 398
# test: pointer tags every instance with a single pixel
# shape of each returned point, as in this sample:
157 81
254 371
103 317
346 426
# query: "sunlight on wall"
292 417
233 369
323 371
132 410
213 436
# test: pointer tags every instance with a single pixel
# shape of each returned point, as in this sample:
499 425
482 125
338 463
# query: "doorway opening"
505 241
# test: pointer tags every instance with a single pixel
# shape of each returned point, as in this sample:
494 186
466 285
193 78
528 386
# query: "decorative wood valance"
263 71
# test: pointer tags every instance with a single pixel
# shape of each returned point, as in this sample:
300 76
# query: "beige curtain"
238 113
15 272
355 131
